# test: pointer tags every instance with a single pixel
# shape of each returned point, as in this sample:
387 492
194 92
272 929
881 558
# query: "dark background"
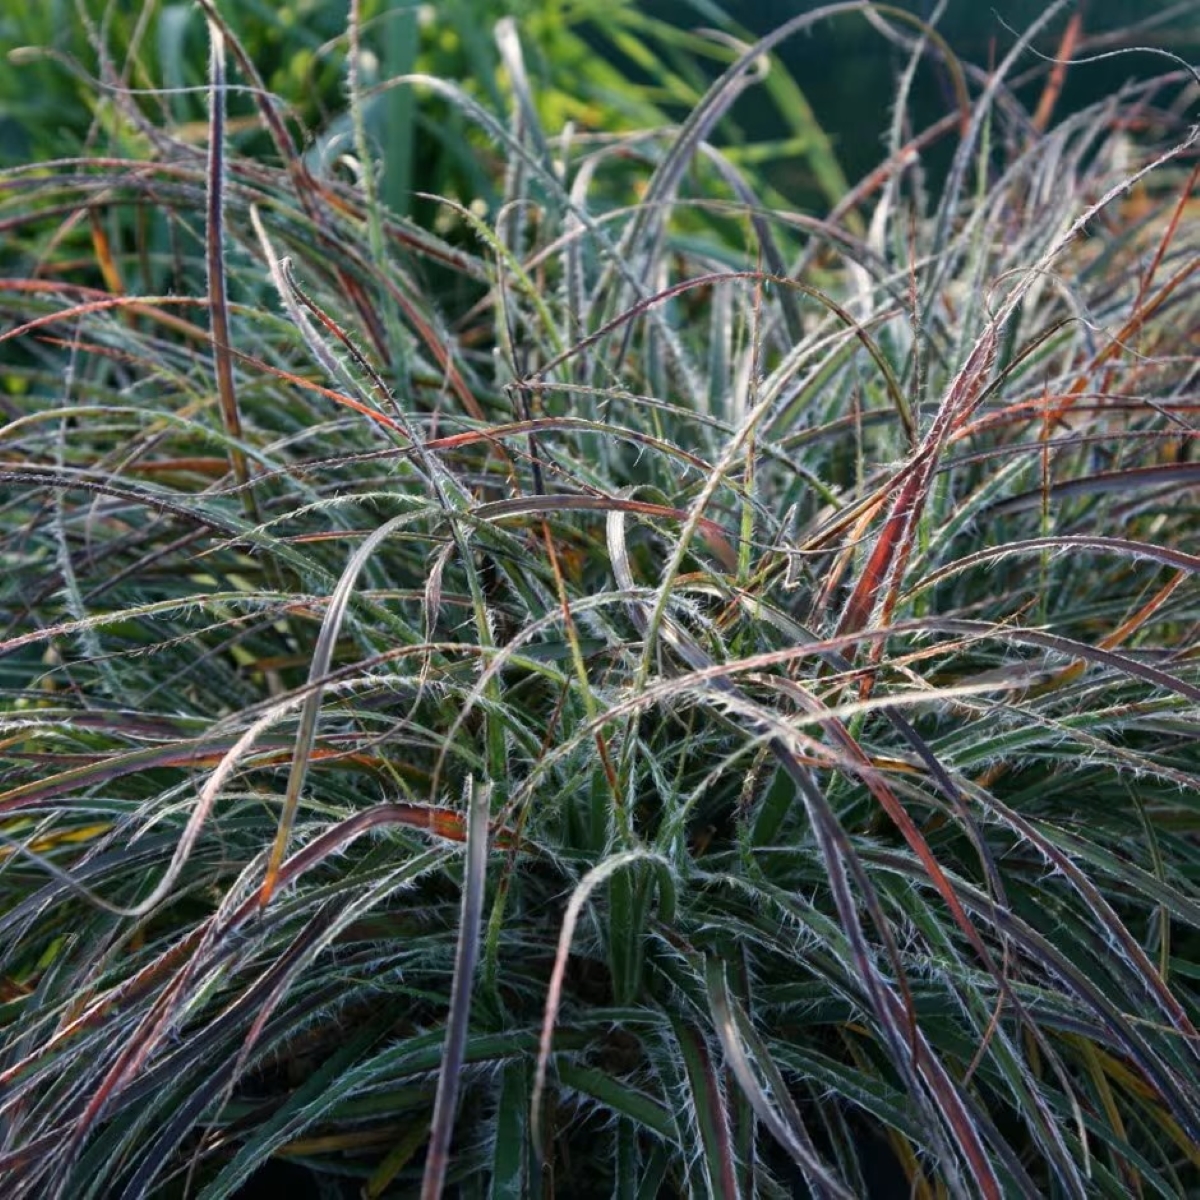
848 72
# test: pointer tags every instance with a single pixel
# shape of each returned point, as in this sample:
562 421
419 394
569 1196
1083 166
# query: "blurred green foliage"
595 65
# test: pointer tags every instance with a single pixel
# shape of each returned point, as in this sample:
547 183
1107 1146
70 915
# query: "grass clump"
622 689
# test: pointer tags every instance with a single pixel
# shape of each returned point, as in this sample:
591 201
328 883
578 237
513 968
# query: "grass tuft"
537 666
